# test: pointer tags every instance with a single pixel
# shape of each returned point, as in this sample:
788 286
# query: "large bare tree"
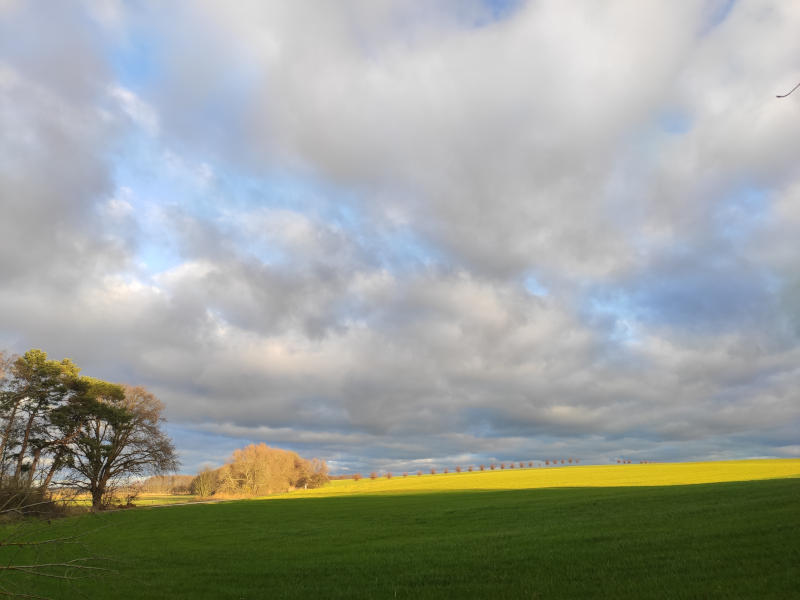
121 440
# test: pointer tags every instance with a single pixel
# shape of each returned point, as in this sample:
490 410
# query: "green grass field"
718 540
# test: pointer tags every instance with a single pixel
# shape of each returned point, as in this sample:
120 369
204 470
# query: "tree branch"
789 92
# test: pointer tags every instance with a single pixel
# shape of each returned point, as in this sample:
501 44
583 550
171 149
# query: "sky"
397 234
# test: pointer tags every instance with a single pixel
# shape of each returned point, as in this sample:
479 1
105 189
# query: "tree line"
257 470
59 428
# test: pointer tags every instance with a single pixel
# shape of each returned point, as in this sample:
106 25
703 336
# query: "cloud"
326 233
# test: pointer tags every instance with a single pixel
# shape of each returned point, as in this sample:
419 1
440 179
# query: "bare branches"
789 92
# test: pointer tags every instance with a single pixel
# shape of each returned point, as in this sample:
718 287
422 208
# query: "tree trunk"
98 491
97 499
52 471
24 447
6 436
36 456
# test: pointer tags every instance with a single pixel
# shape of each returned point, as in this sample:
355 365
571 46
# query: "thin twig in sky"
789 92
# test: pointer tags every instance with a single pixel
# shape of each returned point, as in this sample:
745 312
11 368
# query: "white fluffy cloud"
629 158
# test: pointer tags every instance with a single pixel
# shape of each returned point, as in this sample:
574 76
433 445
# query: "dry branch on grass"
24 551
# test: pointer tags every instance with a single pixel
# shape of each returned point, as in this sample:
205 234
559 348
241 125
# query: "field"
567 476
623 540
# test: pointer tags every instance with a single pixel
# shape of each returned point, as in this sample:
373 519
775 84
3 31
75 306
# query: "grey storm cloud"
629 157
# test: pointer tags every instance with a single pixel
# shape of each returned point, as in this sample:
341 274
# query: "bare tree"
123 439
205 482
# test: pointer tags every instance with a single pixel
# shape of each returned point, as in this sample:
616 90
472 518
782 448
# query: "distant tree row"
458 469
59 428
167 484
257 470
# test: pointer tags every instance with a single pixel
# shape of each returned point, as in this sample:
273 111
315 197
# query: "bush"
204 483
373 475
482 467
433 470
419 473
21 501
356 476
388 474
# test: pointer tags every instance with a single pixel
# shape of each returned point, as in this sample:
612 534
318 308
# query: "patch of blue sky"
199 449
533 286
135 59
742 211
403 249
614 315
720 11
153 186
498 10
675 121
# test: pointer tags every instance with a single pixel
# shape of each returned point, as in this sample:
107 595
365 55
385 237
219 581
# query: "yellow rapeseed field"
567 476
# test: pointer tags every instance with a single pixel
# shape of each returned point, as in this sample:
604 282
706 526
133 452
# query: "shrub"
458 469
388 474
502 465
530 463
547 462
511 465
482 467
433 470
419 473
492 466
470 468
373 475
205 483
19 501
405 474
445 470
356 476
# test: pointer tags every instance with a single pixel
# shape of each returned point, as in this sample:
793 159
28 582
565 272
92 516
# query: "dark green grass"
728 540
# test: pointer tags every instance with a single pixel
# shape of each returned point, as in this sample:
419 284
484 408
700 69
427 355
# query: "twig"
786 94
